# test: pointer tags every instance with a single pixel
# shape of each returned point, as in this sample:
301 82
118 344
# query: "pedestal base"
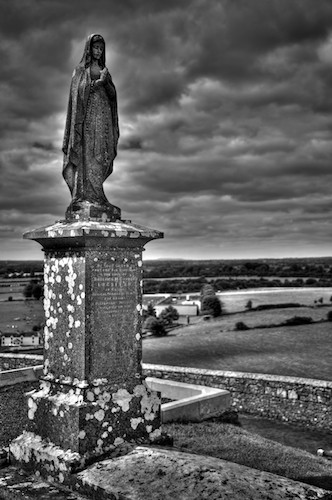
84 210
92 397
72 427
89 419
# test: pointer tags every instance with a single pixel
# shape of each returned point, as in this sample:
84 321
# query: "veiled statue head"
94 49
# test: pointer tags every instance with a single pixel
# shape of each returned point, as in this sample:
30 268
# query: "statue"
91 135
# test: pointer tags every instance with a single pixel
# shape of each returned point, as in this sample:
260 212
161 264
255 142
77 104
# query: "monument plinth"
92 396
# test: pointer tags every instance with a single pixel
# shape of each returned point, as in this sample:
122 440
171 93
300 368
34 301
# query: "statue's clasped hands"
103 75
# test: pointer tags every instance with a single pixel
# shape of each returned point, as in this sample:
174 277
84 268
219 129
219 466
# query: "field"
237 300
240 446
12 288
20 315
299 351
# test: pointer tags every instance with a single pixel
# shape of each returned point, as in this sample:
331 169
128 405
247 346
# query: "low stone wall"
297 400
14 384
12 361
290 399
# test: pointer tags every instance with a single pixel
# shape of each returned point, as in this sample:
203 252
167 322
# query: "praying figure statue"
91 135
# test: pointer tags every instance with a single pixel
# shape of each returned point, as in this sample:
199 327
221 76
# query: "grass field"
240 446
272 316
20 315
299 351
235 301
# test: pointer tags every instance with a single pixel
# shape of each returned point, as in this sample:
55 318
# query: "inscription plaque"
114 317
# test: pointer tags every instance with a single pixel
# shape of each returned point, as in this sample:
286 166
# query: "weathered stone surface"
80 233
13 413
92 308
91 134
92 395
18 485
91 420
150 473
35 454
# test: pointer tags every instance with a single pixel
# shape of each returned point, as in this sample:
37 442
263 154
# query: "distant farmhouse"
185 307
21 339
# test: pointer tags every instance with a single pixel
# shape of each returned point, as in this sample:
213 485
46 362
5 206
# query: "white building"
183 307
20 339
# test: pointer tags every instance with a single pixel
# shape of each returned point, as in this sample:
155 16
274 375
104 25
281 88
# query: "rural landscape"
275 315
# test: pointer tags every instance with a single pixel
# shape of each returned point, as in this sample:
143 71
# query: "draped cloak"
77 164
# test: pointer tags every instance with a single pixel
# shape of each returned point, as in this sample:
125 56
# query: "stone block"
89 420
193 403
92 395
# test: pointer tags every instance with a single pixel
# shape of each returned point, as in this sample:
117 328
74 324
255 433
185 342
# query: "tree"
155 326
212 305
207 290
27 292
249 305
33 289
169 315
37 291
151 310
298 320
241 326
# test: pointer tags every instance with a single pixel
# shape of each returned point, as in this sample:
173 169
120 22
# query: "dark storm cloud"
232 35
46 146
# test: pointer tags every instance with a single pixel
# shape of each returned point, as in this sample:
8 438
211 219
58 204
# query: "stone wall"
13 403
297 400
289 399
12 361
14 410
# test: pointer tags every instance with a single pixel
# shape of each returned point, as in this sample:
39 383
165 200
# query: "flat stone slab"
193 403
150 473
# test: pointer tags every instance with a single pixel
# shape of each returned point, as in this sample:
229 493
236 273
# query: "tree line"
315 267
301 267
224 284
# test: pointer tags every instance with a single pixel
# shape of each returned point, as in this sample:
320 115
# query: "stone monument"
92 397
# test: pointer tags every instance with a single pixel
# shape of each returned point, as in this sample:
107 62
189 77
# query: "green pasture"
20 315
299 351
273 316
240 446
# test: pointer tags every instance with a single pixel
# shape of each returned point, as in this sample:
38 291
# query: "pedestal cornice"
89 233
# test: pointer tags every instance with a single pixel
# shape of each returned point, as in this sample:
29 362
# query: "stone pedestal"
92 397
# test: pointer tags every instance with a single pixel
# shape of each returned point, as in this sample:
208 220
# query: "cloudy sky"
225 111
